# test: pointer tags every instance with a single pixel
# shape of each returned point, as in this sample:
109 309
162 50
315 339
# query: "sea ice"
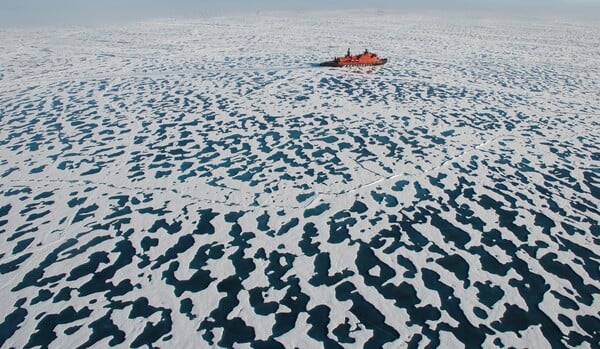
196 183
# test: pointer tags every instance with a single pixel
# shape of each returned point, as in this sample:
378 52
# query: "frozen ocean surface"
200 183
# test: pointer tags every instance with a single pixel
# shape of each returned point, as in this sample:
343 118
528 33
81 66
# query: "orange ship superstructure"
366 58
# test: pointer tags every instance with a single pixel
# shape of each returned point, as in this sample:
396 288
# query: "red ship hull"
334 63
365 59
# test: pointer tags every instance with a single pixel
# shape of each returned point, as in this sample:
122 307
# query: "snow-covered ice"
196 183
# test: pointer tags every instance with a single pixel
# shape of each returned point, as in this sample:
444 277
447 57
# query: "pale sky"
57 12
